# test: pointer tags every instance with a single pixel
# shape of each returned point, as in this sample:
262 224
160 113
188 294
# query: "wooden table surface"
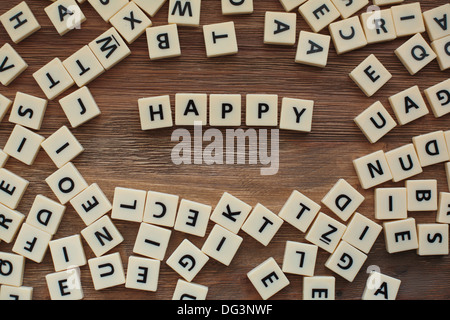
118 153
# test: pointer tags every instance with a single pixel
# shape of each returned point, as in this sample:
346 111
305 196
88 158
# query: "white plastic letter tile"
109 48
220 39
222 244
187 260
431 148
225 110
343 199
79 107
443 215
107 271
28 111
32 243
280 28
13 267
437 21
433 239
83 66
155 112
400 235
16 293
191 108
299 258
372 169
150 7
232 7
408 19
128 204
62 146
299 211
268 278
319 288
438 97
230 212
362 232
348 8
375 122
10 222
107 9
12 64
5 104
131 22
91 204
189 291
65 285
23 144
12 188
53 79
261 110
19 22
142 274
347 35
102 236
381 287
313 49
441 48
391 203
319 13
46 214
66 182
422 195
378 26
346 261
67 253
262 224
184 12
65 15
325 232
192 217
296 114
403 162
415 54
370 75
152 241
163 42
161 208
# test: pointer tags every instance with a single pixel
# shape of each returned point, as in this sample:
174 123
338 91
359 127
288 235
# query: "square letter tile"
268 278
163 42
185 12
220 39
343 199
83 66
10 222
187 260
441 48
400 235
189 291
370 75
28 111
362 232
348 8
150 7
326 232
231 7
131 22
391 203
378 26
296 114
152 241
225 110
128 204
66 182
222 244
32 243
415 54
91 204
262 224
46 214
12 188
65 15
280 28
375 122
299 258
319 13
12 64
372 169
230 212
62 146
109 48
431 148
347 35
16 293
346 261
403 162
155 112
102 236
438 97
433 239
381 287
67 252
23 144
161 208
191 107
192 217
422 195
13 267
408 19
79 107
299 211
437 21
19 22
107 9
262 110
65 285
142 274
107 271
443 215
53 79
319 288
313 49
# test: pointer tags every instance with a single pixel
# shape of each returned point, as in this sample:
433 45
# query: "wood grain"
118 153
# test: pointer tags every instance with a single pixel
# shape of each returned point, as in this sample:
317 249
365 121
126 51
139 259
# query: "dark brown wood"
118 153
